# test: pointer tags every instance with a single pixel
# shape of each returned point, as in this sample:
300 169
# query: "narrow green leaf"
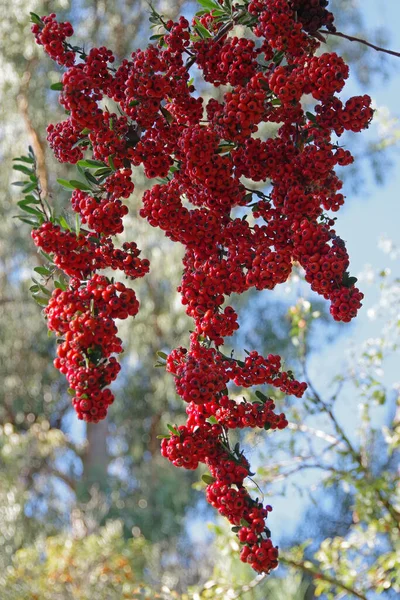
57 87
101 172
89 177
42 271
80 185
77 225
32 221
25 159
64 223
30 209
29 188
209 4
23 169
41 301
66 184
208 479
91 164
36 19
111 162
203 32
173 430
162 355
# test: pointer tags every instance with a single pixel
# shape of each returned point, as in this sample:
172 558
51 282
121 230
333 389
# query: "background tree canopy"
95 511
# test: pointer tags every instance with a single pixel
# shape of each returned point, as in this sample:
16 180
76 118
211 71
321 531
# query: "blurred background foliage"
94 511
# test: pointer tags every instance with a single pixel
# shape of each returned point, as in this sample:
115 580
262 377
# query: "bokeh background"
94 511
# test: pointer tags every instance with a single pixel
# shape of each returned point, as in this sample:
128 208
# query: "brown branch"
60 475
37 143
318 575
351 38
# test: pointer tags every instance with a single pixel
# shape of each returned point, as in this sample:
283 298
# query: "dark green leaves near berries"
202 31
173 430
208 479
209 4
36 19
74 184
91 164
57 87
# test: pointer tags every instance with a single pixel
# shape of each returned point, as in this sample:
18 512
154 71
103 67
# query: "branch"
249 586
37 143
60 475
317 432
351 38
318 575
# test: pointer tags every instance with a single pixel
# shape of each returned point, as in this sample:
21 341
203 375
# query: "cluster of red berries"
203 150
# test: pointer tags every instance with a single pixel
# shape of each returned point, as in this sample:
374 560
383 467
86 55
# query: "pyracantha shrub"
235 237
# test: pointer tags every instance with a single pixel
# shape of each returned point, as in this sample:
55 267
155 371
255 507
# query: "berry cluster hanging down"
236 237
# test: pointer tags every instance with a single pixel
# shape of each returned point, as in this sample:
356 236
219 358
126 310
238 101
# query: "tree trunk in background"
96 459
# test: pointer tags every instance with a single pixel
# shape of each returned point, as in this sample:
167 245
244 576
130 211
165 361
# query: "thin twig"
352 38
318 575
249 586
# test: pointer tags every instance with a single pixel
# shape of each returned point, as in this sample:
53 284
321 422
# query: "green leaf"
163 437
203 32
22 169
261 396
30 209
30 199
32 221
208 479
29 188
173 430
34 288
311 117
59 285
64 223
209 4
42 271
89 177
36 19
235 529
65 184
162 355
91 164
71 392
82 142
213 420
41 300
80 185
100 172
25 159
111 163
77 225
57 87
169 118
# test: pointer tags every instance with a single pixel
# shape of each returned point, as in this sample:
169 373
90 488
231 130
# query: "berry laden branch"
235 238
